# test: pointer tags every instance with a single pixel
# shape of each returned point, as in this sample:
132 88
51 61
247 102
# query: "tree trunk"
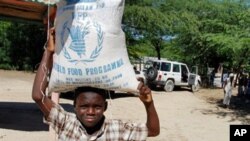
238 69
158 51
157 45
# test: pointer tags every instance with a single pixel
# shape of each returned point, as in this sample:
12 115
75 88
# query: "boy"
89 122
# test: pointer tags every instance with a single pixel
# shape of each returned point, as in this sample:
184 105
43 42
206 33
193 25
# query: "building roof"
22 10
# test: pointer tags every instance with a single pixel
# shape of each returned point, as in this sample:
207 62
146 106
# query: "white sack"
90 47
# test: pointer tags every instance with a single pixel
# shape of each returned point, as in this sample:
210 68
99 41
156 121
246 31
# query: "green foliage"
140 49
5 59
21 46
206 33
146 22
210 32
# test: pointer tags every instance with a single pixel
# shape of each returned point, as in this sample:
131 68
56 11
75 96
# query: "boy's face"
89 108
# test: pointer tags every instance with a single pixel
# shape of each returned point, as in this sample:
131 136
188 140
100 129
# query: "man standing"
227 92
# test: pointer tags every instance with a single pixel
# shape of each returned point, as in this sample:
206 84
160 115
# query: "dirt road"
184 116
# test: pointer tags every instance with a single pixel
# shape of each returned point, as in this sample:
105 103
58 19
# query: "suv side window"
184 73
165 66
176 68
184 69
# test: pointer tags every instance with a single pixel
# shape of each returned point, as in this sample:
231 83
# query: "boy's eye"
98 107
84 106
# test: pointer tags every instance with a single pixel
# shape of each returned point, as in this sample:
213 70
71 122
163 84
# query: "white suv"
168 74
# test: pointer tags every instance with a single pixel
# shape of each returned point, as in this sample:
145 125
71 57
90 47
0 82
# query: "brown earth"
184 116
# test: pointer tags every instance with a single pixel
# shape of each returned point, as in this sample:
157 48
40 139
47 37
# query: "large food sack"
90 47
46 1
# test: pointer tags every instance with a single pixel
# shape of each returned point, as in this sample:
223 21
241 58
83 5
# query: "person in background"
223 78
245 81
231 77
248 86
212 76
227 87
89 122
240 84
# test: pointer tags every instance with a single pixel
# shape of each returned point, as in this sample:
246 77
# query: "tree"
21 45
209 31
143 21
26 44
4 46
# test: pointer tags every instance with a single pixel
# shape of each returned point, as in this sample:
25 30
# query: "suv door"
184 73
177 74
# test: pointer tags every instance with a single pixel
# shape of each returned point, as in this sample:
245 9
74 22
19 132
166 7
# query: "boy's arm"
40 83
153 123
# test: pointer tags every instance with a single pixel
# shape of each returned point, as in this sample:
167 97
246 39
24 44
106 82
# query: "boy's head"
80 90
90 104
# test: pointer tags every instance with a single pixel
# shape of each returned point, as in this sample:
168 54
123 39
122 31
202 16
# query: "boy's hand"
145 93
51 40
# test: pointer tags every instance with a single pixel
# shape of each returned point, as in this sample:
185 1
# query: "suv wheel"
195 88
151 74
169 86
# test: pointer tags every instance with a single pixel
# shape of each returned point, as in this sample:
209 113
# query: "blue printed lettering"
59 68
80 15
82 79
119 63
93 71
104 77
84 7
113 65
74 71
107 81
105 68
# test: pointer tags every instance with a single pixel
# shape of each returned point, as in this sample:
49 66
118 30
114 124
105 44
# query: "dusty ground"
184 116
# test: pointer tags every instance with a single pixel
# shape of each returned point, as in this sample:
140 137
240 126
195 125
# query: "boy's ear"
106 106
